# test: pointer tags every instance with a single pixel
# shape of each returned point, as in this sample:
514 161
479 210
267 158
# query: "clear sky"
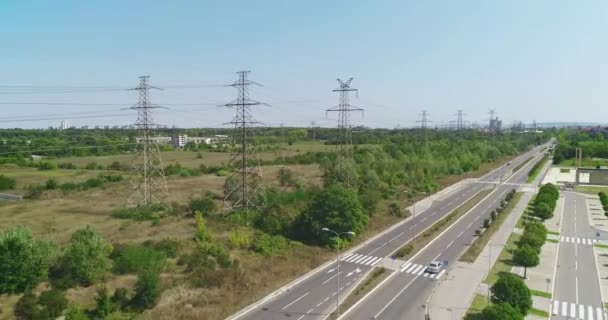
544 59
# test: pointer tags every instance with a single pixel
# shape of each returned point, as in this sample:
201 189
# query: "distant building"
159 140
84 127
64 125
179 141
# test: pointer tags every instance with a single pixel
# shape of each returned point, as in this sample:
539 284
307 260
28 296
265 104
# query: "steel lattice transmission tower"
242 188
148 182
344 144
460 120
424 119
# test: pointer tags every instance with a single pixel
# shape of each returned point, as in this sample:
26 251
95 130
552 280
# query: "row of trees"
593 143
604 201
529 246
545 201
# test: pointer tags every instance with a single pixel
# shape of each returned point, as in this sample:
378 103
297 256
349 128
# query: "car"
434 267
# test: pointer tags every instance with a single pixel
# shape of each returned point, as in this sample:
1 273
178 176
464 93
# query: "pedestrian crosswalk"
420 270
361 259
577 240
576 311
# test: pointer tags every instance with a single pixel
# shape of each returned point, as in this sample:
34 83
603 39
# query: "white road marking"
422 271
353 257
555 310
329 279
307 312
372 261
376 262
359 259
440 274
347 256
407 265
572 310
600 313
287 306
589 312
366 260
394 298
564 308
450 244
411 268
581 311
460 234
426 274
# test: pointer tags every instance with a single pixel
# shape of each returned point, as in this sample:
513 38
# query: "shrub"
500 311
24 261
68 186
66 165
46 165
53 301
86 257
239 239
493 215
7 183
269 245
170 247
202 234
150 212
26 307
75 313
394 209
486 223
136 259
147 290
120 298
205 205
91 166
51 184
103 304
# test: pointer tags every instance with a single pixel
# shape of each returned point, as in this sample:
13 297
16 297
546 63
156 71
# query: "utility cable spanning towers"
242 188
149 182
344 166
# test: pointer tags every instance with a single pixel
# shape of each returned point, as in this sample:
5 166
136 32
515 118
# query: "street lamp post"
338 234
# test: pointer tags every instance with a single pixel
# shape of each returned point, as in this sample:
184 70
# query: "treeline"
593 144
604 201
545 202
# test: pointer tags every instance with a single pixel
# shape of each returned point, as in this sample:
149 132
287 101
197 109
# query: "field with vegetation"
197 261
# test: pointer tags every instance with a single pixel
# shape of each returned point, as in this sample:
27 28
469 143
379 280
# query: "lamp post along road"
338 234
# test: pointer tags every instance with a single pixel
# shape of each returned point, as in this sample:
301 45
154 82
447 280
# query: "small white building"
179 141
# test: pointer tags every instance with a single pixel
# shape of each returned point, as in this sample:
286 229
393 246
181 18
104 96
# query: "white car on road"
434 267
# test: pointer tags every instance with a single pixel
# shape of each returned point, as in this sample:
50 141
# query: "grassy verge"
474 312
526 215
421 240
537 169
553 232
541 294
504 263
591 190
372 280
477 246
540 313
602 246
521 165
552 240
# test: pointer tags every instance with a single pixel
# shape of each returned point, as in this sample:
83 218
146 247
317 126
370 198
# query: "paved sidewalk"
464 278
601 260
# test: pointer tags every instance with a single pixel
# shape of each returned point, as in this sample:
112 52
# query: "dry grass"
56 218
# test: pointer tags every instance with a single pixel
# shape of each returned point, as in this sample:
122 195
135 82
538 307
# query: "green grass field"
591 189
504 263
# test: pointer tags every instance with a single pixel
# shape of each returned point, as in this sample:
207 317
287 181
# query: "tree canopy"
512 290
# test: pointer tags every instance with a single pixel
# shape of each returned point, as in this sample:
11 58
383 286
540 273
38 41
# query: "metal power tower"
424 119
148 182
242 188
460 120
344 144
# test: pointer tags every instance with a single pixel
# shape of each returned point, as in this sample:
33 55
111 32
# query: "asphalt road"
404 296
577 292
315 297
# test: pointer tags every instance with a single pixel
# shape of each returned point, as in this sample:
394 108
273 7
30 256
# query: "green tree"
336 208
526 257
500 311
147 289
75 313
24 261
7 183
512 290
532 240
86 257
202 233
285 176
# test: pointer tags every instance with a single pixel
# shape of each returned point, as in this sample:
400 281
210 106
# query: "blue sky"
543 60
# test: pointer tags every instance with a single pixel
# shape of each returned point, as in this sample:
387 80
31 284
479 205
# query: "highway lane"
577 292
405 295
315 297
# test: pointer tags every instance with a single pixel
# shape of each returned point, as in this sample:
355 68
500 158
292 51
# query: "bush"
202 234
86 257
147 290
136 259
75 313
91 166
239 239
24 261
103 304
512 290
66 165
7 183
150 212
394 209
205 205
53 301
493 215
269 245
486 223
46 165
170 247
26 307
120 298
51 184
